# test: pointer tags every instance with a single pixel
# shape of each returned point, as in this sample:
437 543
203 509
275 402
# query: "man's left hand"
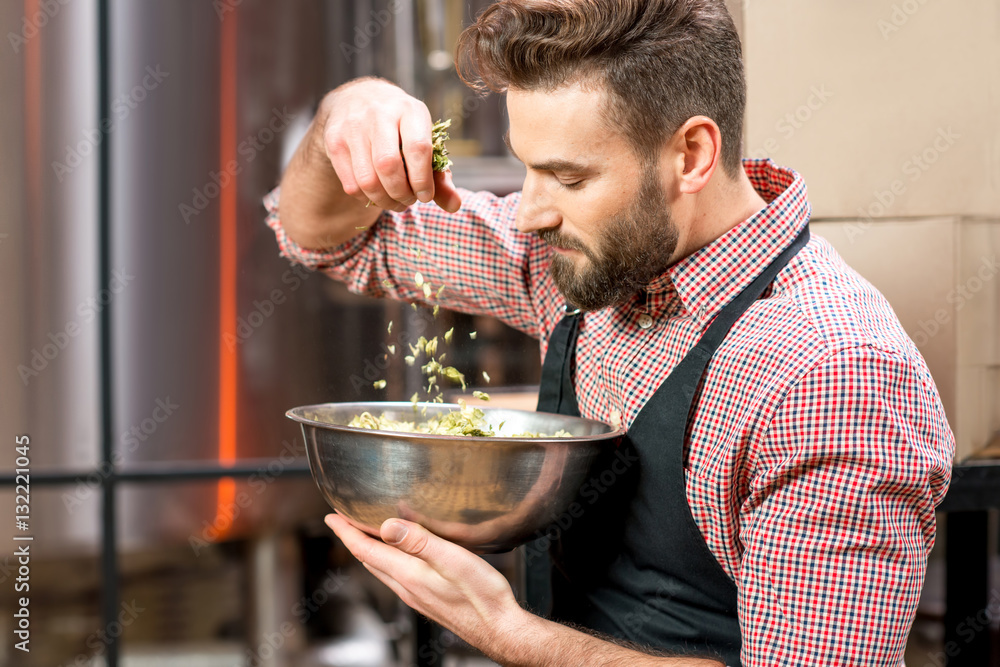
439 579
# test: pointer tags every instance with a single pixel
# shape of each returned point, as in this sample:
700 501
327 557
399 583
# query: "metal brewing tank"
211 339
213 335
49 335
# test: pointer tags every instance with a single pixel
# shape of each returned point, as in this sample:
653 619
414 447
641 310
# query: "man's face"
605 215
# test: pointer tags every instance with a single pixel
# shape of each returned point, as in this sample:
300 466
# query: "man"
790 445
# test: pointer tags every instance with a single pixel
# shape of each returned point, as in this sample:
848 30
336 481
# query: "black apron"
632 563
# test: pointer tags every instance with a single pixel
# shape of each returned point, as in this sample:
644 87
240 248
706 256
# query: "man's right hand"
369 142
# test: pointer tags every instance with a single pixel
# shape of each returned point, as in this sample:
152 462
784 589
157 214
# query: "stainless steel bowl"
486 494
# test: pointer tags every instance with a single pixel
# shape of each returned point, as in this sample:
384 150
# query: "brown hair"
661 62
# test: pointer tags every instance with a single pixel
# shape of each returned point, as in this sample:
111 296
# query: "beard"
635 247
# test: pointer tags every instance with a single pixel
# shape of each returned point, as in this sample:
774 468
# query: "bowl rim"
613 433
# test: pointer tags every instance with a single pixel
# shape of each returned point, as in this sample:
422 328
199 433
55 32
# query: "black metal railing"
110 478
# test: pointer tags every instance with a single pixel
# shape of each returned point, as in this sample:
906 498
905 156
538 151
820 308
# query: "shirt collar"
708 279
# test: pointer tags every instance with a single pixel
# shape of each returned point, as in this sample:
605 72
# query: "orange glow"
33 118
228 366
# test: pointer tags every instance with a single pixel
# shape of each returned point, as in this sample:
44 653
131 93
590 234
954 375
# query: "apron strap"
727 317
556 393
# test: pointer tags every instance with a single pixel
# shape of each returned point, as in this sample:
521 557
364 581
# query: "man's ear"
696 148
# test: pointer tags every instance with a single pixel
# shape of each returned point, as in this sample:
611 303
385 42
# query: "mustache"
554 238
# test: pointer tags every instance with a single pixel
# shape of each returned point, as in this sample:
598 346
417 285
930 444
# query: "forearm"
315 211
532 641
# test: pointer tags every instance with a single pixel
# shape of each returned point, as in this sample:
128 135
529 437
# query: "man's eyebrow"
554 164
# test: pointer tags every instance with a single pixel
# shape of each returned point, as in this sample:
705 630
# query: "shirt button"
645 321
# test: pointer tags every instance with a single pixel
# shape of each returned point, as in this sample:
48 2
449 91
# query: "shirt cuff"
314 259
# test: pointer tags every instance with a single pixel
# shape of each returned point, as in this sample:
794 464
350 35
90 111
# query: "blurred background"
146 317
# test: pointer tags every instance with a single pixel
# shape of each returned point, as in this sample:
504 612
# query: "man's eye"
574 185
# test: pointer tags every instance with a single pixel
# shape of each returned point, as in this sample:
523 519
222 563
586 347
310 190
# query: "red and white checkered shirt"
818 448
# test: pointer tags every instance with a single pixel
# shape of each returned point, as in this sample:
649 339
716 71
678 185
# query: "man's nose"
535 212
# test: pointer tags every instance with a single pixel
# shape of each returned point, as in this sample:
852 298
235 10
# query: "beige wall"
942 279
858 102
891 111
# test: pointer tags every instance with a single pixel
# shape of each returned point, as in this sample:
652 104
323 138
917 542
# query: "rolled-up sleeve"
314 260
839 518
475 261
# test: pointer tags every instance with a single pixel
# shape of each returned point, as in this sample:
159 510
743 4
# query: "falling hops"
454 375
434 368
